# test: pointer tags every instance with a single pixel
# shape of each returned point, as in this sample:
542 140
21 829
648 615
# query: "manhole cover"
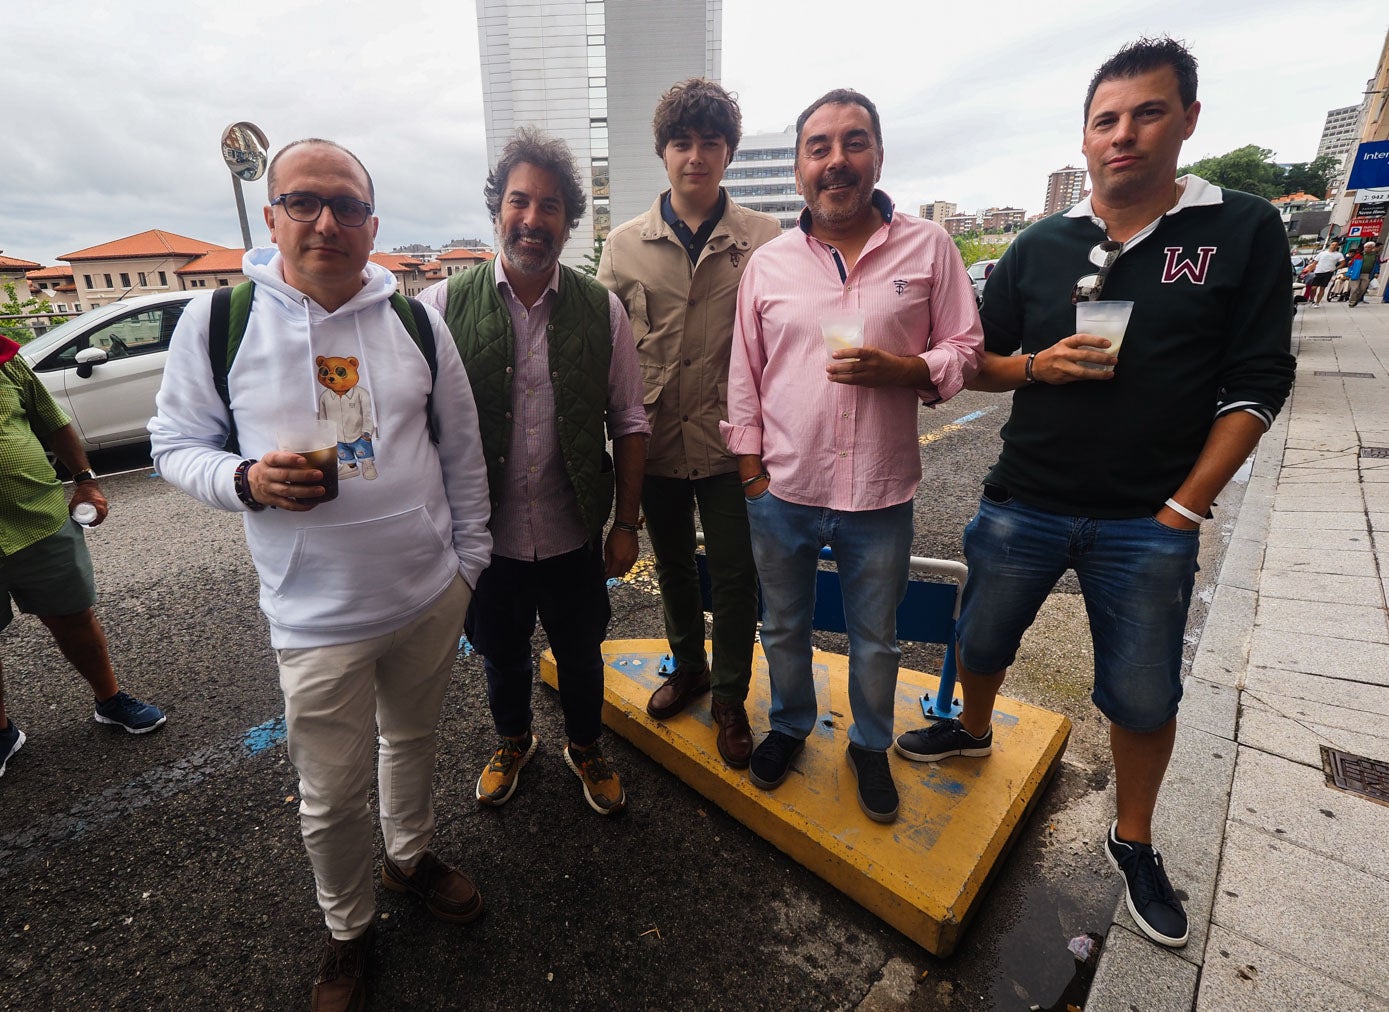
1354 774
1346 375
1374 451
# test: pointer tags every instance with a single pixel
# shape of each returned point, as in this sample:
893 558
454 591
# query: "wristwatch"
81 476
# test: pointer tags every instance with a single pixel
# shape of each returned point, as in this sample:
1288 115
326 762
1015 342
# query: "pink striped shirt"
539 513
836 445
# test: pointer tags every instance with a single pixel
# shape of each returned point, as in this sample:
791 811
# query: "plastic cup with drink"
842 329
316 440
1103 319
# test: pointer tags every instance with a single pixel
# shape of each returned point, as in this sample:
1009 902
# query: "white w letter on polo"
1173 269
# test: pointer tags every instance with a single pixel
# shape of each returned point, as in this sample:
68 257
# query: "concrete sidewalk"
1286 878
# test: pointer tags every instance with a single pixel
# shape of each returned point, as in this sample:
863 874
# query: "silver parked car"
979 272
104 367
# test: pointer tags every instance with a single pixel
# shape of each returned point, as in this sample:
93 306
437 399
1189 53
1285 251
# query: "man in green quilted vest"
551 360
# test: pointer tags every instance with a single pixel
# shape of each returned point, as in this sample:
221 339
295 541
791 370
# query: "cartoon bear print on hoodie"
348 406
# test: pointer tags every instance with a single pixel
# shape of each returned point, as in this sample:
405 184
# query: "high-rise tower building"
1065 188
591 72
762 175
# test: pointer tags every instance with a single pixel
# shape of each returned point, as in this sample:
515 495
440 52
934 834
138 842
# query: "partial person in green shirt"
45 568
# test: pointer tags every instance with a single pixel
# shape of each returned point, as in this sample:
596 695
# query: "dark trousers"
669 505
570 595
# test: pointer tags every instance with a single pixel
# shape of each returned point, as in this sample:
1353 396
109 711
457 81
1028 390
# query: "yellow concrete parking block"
925 873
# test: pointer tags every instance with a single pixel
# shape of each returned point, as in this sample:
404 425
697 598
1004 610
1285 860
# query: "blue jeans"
872 549
1136 577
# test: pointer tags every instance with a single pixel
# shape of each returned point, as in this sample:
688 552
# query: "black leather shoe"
680 688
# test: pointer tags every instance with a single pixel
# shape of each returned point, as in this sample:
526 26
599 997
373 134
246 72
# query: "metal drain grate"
1374 451
1345 375
1354 774
1320 337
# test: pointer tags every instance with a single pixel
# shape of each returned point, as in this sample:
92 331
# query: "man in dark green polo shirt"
44 564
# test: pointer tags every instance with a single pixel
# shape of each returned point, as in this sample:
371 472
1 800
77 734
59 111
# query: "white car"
979 272
104 367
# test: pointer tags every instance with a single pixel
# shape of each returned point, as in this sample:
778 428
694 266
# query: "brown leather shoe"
343 974
447 894
680 688
735 737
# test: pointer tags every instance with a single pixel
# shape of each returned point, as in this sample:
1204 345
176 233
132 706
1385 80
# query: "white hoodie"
376 557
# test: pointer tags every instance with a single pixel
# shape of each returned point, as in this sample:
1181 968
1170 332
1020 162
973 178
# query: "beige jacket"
682 320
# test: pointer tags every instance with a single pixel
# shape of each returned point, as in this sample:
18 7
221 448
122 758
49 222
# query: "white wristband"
1177 507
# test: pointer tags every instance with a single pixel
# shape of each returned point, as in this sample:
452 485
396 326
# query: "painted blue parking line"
20 848
966 419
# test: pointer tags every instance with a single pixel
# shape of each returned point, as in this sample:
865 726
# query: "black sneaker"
11 741
941 740
771 761
877 794
1151 899
124 710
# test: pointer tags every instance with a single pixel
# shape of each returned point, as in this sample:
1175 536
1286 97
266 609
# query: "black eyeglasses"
306 207
1103 256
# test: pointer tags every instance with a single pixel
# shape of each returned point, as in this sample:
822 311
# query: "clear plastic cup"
842 329
84 513
316 440
1103 319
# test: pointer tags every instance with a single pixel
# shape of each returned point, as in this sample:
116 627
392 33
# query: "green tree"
1311 177
1248 168
20 330
973 249
590 261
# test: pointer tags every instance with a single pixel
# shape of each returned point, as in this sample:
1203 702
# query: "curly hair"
698 106
1143 56
532 147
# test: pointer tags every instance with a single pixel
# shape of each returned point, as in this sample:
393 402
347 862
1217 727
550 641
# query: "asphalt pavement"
167 871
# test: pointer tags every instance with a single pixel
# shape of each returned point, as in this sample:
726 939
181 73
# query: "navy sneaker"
1150 897
877 794
941 740
771 761
126 711
11 741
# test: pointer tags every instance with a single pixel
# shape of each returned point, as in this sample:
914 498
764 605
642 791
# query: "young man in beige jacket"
676 268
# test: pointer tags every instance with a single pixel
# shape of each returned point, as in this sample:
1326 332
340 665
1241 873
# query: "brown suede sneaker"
344 970
447 894
679 689
735 736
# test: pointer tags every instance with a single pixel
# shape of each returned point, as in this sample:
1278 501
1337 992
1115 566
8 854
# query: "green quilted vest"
580 342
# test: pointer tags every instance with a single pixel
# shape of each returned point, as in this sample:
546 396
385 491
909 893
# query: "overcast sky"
115 110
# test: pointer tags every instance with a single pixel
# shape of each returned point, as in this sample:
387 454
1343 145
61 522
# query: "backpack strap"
416 323
231 308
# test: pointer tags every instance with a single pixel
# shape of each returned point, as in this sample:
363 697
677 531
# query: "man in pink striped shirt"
827 440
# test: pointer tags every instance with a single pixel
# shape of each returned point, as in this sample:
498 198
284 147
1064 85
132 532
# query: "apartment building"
591 72
762 175
1065 189
938 211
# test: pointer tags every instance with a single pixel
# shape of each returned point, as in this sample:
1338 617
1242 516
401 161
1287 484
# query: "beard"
531 259
837 214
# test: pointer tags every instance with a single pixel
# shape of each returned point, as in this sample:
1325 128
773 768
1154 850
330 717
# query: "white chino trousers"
336 699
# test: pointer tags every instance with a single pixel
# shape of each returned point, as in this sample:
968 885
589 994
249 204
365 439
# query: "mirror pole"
241 212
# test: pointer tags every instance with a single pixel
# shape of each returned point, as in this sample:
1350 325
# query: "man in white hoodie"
366 593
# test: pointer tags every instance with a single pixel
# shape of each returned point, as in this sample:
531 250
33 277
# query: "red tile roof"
154 243
467 254
221 261
47 273
395 262
14 263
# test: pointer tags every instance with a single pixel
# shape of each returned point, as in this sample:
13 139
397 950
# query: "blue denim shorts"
1136 577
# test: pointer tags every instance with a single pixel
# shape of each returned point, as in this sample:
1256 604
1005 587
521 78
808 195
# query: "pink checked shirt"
539 514
831 444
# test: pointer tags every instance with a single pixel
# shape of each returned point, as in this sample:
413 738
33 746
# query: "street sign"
1370 170
1375 196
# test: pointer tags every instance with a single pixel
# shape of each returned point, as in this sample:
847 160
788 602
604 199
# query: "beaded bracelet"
241 482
